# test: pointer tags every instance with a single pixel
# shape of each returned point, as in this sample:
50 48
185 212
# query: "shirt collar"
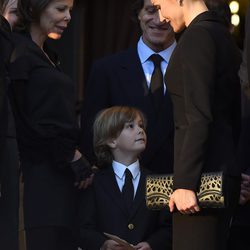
120 168
145 52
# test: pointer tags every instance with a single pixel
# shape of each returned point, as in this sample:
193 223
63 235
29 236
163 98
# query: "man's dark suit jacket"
203 82
120 80
102 209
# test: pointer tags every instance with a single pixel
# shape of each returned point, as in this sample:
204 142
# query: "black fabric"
204 86
43 100
9 200
208 229
239 237
5 51
128 189
203 83
156 83
9 162
50 238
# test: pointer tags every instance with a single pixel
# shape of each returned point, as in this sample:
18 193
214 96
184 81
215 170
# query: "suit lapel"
140 195
134 81
133 72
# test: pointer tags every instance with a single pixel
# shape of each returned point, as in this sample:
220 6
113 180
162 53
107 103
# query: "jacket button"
131 226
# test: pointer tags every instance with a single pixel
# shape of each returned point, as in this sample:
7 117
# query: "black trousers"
239 238
50 238
9 200
239 234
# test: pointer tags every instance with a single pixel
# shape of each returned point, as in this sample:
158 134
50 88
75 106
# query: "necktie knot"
156 59
128 174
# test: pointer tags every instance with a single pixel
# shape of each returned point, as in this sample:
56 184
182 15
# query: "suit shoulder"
146 171
102 173
117 57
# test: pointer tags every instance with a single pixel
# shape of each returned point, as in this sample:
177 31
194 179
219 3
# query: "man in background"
132 78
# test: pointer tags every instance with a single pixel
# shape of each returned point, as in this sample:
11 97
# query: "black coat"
120 80
43 99
203 83
5 51
9 162
242 217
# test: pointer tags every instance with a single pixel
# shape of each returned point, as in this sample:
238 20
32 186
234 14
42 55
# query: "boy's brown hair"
108 124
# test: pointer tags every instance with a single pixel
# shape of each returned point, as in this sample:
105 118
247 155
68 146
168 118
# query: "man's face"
156 32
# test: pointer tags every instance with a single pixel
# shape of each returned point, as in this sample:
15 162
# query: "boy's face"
131 141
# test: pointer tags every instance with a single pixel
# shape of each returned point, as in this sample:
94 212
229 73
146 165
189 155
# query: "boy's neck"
126 161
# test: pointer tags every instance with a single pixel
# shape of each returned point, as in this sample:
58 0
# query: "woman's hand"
185 201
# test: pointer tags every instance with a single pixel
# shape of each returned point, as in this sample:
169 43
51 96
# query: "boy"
119 138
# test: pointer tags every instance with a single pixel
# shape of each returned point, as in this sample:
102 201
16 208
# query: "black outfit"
102 209
44 106
3 86
119 80
9 162
204 87
239 236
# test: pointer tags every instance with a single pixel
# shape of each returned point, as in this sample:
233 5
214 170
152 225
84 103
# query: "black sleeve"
55 140
198 72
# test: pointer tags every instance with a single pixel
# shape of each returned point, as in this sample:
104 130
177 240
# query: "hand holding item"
116 243
184 200
112 245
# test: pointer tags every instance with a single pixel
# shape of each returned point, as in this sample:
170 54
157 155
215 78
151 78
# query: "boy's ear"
111 143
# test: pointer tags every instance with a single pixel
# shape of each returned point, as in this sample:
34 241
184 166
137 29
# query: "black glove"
81 168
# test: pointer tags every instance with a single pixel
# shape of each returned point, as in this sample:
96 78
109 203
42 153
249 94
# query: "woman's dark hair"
30 11
222 9
136 7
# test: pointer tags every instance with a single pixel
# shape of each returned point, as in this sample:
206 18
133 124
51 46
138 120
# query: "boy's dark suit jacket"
120 80
204 86
102 210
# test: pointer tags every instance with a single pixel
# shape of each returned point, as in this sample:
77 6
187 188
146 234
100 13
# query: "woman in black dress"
43 98
203 83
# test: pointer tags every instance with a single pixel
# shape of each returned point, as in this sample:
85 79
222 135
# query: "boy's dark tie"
156 83
128 189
